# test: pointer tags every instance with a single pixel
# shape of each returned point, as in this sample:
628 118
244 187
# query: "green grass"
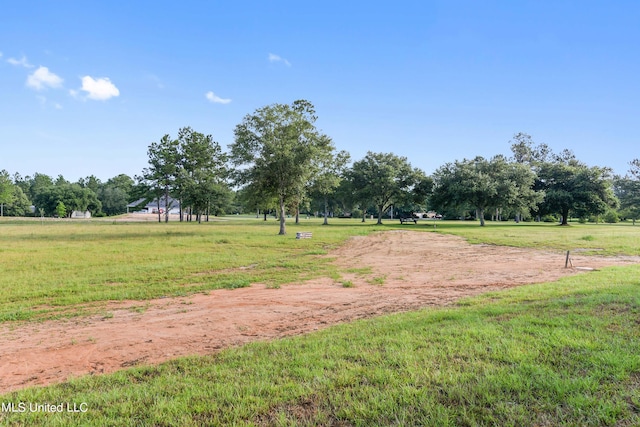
565 353
69 268
601 239
562 353
377 280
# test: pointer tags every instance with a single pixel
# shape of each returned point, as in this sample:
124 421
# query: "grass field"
68 268
563 353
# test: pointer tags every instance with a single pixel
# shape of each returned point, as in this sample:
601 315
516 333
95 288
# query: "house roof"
153 203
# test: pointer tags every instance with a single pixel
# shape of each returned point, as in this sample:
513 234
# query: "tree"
634 170
113 194
200 178
571 187
483 184
526 152
162 171
627 189
123 181
276 149
417 199
330 172
20 205
255 198
383 179
73 197
464 184
345 196
21 182
113 199
91 182
60 180
6 190
38 182
61 210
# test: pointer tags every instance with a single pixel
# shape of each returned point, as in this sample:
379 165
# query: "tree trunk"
265 214
480 215
380 214
180 205
159 214
297 214
565 216
326 211
166 203
283 230
364 215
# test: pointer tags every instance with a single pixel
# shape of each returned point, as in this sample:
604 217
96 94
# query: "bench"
403 220
304 235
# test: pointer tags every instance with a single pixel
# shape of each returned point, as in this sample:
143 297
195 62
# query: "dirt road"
398 271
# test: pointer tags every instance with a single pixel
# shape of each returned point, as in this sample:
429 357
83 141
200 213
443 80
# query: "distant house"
81 214
151 207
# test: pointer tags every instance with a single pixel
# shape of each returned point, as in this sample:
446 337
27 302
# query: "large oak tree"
483 184
383 179
573 188
277 150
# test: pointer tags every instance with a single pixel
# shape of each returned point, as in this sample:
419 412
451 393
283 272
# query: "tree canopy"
481 184
277 150
383 179
6 189
280 162
572 187
331 169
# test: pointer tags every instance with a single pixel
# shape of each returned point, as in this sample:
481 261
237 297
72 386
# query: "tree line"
280 164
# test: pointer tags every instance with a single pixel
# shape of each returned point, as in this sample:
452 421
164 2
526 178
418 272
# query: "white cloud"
43 78
22 62
216 99
277 58
99 89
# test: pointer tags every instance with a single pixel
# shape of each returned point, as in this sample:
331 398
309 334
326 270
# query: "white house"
80 214
145 206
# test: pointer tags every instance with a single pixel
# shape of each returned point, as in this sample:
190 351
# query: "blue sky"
85 87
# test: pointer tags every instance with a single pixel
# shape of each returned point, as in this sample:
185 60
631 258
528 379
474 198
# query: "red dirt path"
419 270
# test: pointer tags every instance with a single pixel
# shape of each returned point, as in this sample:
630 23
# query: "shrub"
611 217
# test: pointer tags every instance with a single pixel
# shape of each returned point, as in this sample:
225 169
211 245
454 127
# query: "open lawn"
563 353
597 239
64 268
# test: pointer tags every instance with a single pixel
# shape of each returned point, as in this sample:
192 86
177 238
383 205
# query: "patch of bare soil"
416 270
